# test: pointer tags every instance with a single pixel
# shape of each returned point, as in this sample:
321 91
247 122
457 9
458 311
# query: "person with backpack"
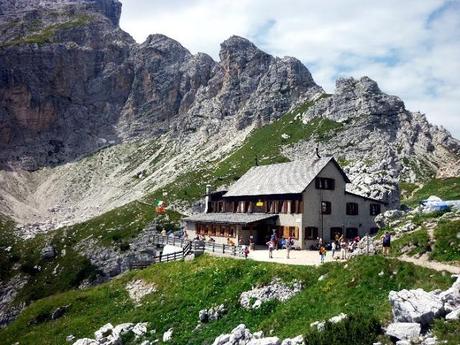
386 242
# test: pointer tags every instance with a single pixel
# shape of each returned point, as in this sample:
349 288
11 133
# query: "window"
351 232
325 183
336 231
374 231
352 208
311 233
325 207
374 209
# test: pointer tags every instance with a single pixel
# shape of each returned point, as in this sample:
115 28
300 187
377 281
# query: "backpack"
386 240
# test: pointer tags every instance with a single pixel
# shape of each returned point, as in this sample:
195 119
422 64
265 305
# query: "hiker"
386 242
343 249
333 248
289 243
322 253
163 233
271 247
251 242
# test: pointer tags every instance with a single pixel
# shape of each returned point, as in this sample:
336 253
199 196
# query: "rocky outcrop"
241 335
110 335
276 290
138 289
381 142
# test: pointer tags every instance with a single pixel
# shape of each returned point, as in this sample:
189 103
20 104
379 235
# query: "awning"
230 218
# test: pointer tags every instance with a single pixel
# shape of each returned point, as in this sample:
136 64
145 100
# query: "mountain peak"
109 8
239 48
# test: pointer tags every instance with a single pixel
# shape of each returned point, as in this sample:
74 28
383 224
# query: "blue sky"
411 48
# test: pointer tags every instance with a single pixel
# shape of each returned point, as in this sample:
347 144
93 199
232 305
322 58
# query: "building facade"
302 200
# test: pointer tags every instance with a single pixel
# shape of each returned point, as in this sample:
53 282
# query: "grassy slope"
263 144
447 189
112 228
186 287
418 239
447 235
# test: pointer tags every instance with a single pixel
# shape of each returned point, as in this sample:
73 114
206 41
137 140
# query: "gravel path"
434 265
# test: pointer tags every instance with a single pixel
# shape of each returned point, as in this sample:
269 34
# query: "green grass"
448 331
47 34
446 189
419 240
407 189
447 247
184 288
8 247
262 145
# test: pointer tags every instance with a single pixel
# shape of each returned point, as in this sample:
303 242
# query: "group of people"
284 243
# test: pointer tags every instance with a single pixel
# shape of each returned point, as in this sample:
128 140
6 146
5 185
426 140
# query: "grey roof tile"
284 178
232 218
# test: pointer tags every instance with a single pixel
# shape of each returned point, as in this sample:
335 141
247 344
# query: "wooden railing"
199 246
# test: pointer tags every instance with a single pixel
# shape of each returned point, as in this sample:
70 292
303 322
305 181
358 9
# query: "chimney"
317 152
206 199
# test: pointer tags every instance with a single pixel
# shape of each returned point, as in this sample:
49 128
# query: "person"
343 249
271 247
322 253
251 242
289 243
163 233
245 251
386 243
333 248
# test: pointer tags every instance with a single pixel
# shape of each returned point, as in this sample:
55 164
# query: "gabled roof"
229 218
284 178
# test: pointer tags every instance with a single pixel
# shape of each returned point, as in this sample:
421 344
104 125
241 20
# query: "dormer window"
325 183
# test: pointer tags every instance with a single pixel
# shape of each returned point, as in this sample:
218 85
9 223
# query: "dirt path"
434 265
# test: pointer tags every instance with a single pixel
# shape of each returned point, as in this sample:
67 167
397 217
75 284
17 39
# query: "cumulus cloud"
411 48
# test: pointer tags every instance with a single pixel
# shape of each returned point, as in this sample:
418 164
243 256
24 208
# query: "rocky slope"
74 85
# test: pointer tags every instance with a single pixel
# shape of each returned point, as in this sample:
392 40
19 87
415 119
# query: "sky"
410 47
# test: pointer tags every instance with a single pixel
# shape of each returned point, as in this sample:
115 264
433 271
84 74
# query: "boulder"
415 306
104 331
59 312
167 336
299 340
451 297
453 315
140 329
48 253
265 341
86 341
403 330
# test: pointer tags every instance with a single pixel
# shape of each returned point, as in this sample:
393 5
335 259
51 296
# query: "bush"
357 329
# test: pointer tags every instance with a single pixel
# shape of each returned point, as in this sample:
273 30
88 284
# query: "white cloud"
411 48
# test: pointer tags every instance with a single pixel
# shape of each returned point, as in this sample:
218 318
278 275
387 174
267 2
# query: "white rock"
453 315
104 331
338 318
322 277
403 342
430 341
122 328
265 341
140 329
415 306
167 336
70 338
299 340
258 335
451 297
403 330
86 341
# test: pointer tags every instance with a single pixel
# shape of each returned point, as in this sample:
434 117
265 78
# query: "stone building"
304 200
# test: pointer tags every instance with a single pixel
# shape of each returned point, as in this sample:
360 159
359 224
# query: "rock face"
72 82
276 290
415 306
380 141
